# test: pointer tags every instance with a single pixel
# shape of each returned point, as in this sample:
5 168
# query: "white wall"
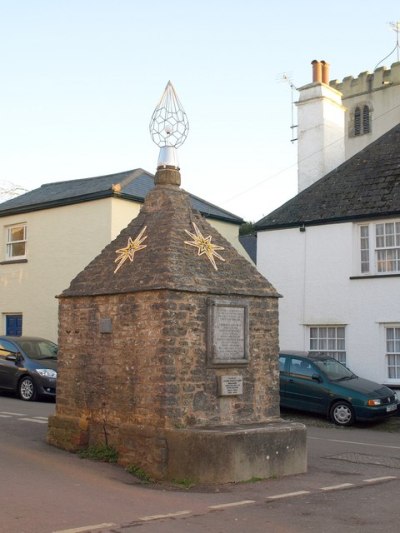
321 123
312 271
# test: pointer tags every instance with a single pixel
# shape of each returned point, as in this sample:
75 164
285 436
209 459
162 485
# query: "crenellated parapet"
368 81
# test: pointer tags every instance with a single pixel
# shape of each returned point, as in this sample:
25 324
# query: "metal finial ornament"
169 126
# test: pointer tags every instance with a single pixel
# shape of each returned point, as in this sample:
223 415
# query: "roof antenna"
396 28
284 77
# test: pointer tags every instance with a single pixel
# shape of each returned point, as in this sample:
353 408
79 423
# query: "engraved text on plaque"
228 333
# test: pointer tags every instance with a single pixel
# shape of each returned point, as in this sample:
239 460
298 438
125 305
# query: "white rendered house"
333 251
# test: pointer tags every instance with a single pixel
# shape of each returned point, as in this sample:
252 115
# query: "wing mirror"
316 377
14 356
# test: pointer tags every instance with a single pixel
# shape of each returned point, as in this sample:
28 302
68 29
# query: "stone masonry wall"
149 374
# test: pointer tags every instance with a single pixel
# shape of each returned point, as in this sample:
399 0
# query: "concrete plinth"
220 454
237 453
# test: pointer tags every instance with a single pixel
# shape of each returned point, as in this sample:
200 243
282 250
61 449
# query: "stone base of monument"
216 454
237 453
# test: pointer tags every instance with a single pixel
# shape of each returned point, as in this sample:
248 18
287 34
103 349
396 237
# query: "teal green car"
320 384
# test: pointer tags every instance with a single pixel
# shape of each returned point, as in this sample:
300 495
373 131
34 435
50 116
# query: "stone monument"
168 345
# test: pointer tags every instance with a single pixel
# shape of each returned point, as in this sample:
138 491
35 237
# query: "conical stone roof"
153 253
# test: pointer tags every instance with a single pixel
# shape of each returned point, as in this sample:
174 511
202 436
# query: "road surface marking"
358 443
33 420
85 528
41 417
159 516
13 414
5 416
233 504
288 495
376 479
338 487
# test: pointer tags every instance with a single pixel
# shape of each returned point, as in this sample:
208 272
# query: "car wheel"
342 414
27 389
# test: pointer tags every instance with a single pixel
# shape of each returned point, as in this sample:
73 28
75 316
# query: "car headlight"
374 402
46 372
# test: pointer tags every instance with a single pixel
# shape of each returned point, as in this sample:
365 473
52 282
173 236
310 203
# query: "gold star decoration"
130 249
204 245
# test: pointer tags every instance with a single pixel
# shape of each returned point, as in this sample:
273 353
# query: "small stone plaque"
105 325
228 332
230 385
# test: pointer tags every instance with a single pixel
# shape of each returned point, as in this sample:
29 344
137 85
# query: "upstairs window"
16 242
380 248
388 247
364 243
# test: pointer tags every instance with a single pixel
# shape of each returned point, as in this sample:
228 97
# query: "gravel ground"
391 425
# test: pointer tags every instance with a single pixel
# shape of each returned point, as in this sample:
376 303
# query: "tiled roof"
132 184
363 187
249 243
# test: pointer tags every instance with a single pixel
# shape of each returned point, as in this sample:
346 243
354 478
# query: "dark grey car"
28 366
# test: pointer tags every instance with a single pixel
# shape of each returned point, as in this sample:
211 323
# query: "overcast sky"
81 78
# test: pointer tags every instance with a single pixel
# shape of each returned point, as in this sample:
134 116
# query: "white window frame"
329 339
10 241
392 352
378 248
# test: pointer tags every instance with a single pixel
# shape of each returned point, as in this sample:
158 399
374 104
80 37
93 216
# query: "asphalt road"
352 485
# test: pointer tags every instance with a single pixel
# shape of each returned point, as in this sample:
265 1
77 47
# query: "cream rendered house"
50 234
333 251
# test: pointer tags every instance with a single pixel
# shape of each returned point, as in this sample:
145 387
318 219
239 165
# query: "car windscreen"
39 349
334 370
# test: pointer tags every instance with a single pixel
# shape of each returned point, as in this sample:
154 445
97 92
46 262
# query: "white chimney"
321 127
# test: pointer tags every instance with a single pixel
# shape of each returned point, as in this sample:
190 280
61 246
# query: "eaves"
326 221
57 203
62 202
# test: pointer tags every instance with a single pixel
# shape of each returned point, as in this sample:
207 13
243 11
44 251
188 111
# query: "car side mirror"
316 377
15 357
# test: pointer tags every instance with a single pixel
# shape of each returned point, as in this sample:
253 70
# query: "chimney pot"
316 71
325 72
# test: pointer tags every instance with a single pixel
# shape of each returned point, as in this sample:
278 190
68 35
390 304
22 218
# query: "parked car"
28 366
320 384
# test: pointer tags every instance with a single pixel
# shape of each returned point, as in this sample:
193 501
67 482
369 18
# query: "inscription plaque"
230 385
228 332
105 325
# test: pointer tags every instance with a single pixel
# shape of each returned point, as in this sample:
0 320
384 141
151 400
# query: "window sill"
376 276
13 261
